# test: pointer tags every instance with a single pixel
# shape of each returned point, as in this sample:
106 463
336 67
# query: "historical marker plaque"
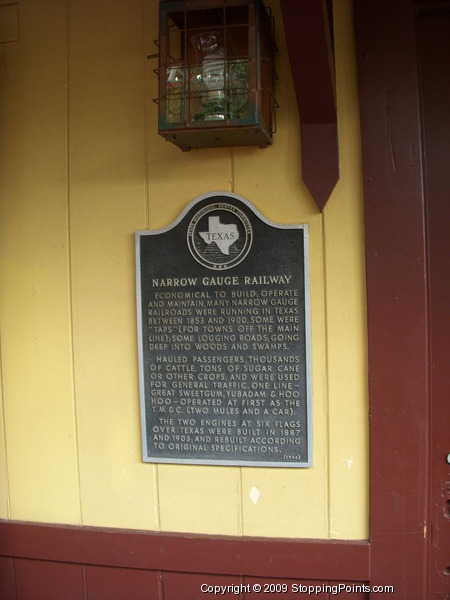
224 338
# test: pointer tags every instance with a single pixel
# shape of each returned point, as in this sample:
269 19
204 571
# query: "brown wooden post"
396 284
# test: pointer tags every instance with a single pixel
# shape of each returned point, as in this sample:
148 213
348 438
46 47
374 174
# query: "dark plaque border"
227 335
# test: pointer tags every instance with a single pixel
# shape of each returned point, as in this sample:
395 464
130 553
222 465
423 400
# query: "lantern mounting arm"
308 30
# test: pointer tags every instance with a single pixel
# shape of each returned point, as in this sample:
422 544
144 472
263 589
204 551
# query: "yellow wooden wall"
82 167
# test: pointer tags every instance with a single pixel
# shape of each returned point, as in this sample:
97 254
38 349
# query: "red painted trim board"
312 559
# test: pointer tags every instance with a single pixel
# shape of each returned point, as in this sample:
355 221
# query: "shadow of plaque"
224 338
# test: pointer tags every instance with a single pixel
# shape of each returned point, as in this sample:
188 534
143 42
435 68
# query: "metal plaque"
224 338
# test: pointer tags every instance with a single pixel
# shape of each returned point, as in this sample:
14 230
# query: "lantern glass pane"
175 71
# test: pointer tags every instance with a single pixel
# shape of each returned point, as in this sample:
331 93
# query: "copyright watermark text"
294 588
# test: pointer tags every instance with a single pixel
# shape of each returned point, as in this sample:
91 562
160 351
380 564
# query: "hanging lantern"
216 73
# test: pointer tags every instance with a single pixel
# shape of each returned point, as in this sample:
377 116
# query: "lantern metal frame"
216 73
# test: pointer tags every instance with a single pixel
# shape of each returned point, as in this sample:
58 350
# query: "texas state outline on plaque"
221 234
